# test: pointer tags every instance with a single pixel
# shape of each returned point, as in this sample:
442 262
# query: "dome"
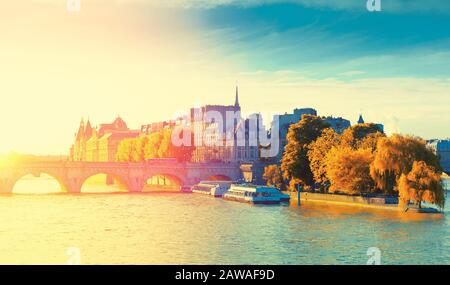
119 123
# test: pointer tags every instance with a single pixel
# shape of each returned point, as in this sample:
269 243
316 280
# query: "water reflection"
174 228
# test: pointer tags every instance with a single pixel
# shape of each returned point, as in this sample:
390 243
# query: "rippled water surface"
174 228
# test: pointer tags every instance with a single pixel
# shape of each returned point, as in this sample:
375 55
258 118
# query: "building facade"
339 125
158 126
442 149
92 144
285 121
380 127
221 134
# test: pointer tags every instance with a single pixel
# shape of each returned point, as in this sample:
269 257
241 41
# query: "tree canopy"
295 163
317 153
354 136
155 145
272 175
349 170
395 156
361 160
422 183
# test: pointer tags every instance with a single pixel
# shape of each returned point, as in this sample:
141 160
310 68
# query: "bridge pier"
72 185
136 184
6 187
109 179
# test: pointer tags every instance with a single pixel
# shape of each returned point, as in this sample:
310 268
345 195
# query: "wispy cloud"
393 6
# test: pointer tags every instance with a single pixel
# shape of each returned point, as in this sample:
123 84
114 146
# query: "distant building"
205 131
442 149
339 125
252 127
379 126
285 121
157 126
218 141
102 144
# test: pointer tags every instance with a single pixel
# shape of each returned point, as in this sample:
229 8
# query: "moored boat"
255 194
213 188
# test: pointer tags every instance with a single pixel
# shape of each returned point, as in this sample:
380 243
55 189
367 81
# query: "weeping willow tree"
395 156
422 184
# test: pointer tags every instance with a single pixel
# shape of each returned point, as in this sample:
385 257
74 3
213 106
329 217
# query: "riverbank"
379 203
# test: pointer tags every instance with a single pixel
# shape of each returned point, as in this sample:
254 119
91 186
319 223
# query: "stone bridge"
72 175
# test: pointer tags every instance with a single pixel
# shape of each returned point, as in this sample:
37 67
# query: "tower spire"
360 119
236 100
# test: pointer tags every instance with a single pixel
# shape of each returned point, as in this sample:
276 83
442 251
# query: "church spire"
88 130
80 134
236 100
360 120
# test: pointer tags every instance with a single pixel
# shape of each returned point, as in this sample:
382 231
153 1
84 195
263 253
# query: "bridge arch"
19 177
102 179
169 181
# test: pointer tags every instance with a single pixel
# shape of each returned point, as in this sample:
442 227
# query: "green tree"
295 162
317 153
349 170
272 175
422 184
395 156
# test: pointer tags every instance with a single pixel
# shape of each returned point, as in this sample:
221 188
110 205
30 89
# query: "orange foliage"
421 184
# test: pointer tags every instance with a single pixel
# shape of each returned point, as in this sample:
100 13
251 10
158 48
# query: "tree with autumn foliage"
273 176
295 163
395 156
371 141
124 151
422 184
317 153
155 145
354 136
349 170
152 147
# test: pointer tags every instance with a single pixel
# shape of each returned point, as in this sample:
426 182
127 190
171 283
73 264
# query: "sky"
151 60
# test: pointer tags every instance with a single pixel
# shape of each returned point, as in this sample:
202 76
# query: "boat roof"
254 188
214 183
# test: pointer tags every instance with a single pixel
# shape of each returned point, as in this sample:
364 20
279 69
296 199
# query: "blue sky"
393 66
328 42
150 60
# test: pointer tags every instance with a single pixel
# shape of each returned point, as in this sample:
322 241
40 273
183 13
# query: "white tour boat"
213 188
255 194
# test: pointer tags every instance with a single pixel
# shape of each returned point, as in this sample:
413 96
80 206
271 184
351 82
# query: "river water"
176 228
